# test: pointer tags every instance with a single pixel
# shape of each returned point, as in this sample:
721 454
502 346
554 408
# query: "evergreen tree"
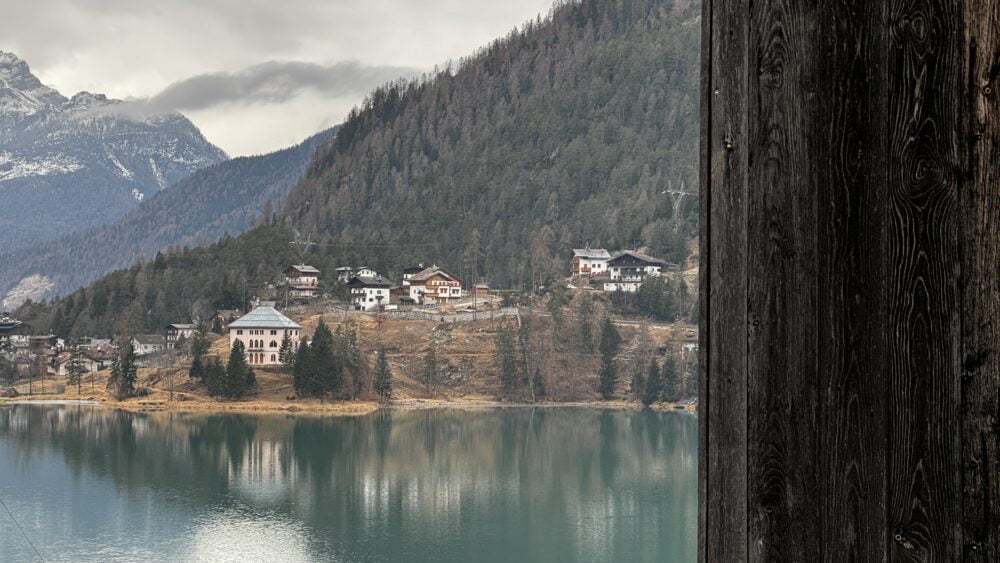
286 354
506 359
240 379
302 372
383 378
671 383
429 373
653 389
124 373
327 373
199 346
75 367
215 377
354 364
608 347
538 384
8 372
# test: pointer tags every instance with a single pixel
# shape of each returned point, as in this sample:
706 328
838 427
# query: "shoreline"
312 407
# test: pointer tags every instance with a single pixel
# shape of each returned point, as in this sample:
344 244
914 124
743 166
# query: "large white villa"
261 332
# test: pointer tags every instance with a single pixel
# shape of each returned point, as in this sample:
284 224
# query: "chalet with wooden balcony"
302 281
589 262
434 285
627 270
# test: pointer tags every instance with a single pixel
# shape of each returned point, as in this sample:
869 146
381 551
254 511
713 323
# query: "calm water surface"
519 484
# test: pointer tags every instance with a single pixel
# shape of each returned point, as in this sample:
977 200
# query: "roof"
428 273
182 326
150 339
644 257
596 253
304 268
365 281
264 317
343 269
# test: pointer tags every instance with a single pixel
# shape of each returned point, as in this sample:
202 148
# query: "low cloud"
274 82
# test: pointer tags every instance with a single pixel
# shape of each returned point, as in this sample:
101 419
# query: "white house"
302 280
410 272
261 332
365 272
434 285
369 293
148 343
589 262
627 270
344 273
177 331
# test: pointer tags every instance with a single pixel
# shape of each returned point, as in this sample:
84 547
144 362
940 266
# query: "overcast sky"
254 75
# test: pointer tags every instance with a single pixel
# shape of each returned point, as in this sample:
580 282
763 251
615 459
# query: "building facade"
434 285
261 332
148 343
627 270
178 331
369 293
302 281
589 262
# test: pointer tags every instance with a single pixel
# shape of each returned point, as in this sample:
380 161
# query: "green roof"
264 317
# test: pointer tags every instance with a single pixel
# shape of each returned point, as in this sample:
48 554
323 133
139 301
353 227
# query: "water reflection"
430 485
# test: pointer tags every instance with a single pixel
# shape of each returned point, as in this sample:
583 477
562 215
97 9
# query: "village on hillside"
426 319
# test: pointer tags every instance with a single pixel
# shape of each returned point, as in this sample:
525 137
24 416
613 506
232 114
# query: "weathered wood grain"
782 338
848 121
726 149
851 281
704 265
980 210
922 262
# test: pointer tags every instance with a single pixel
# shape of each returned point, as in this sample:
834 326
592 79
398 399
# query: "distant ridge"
68 164
226 198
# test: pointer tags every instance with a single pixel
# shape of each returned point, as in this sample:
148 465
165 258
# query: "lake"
88 483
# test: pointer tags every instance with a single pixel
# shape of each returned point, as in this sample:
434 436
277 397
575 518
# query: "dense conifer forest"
579 128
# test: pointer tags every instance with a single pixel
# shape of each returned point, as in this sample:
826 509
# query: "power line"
20 529
358 245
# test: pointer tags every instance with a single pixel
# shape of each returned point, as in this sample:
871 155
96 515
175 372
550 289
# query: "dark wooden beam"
850 391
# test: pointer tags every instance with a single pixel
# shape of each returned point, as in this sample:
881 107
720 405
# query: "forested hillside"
224 198
580 128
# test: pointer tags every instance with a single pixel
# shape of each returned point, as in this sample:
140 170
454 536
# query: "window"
239 332
272 357
274 344
273 332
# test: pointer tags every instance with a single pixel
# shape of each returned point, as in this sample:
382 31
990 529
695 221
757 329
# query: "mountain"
71 164
225 198
578 128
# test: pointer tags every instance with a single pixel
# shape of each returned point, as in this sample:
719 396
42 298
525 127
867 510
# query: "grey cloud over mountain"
272 82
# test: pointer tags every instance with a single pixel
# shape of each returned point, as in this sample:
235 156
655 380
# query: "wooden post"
850 281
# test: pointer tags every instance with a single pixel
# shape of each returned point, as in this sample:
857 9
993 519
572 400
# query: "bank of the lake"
413 484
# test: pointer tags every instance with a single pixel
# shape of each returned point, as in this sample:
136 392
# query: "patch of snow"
122 171
137 194
12 167
33 287
157 174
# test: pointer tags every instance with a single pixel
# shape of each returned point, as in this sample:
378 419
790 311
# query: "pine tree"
671 384
74 370
239 379
286 354
215 377
199 346
354 364
538 384
506 359
327 373
608 347
124 373
301 372
653 389
383 378
429 373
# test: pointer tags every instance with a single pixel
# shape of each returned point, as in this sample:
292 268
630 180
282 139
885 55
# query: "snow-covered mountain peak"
20 90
